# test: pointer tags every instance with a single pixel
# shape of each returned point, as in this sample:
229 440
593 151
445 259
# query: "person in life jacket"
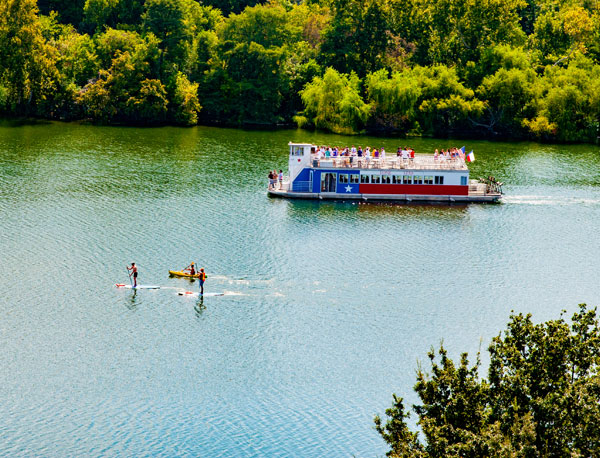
201 280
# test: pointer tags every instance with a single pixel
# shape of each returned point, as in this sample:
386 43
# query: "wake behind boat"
351 175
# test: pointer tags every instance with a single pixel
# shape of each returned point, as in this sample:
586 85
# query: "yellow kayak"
180 273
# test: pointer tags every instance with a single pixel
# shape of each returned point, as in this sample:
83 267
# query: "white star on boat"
348 188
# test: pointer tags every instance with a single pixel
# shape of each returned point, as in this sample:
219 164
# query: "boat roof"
391 163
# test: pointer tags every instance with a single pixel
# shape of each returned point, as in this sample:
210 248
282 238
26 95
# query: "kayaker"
133 269
201 279
190 269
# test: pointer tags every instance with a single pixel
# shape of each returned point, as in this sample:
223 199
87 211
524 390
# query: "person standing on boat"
134 272
201 280
280 178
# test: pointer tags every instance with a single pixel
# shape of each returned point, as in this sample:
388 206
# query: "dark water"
328 306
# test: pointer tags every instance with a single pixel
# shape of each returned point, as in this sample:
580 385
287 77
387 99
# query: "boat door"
328 182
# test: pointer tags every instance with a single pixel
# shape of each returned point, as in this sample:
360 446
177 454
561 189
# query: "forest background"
478 68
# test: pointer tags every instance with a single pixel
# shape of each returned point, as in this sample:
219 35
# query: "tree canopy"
540 397
492 68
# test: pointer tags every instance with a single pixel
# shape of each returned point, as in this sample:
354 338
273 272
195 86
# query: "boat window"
407 179
385 179
417 179
375 178
463 180
396 179
364 178
439 179
428 179
297 151
354 178
343 177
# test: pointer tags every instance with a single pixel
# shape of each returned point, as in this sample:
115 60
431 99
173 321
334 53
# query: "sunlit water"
328 306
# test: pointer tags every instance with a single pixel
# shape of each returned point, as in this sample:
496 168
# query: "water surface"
328 306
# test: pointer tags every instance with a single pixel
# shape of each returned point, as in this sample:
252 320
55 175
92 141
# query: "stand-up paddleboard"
122 285
196 294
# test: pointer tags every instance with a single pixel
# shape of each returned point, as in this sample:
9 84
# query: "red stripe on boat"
419 189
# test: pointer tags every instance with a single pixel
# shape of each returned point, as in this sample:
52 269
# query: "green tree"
129 90
333 102
359 37
558 35
394 100
455 31
185 101
566 102
172 21
540 398
27 63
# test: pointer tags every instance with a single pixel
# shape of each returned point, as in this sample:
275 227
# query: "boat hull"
405 198
179 273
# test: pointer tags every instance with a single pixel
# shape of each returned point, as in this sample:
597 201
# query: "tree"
27 63
540 397
359 36
333 102
172 21
560 34
185 101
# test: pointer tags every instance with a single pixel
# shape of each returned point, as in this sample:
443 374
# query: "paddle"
130 274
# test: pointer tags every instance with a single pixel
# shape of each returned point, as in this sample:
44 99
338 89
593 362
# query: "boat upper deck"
419 162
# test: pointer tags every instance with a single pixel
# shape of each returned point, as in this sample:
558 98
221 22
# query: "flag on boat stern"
470 157
461 153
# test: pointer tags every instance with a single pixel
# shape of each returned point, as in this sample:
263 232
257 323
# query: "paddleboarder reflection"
132 304
200 307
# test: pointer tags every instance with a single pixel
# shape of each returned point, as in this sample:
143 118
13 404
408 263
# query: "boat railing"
481 188
420 161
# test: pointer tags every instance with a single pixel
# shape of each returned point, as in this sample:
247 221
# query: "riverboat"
422 178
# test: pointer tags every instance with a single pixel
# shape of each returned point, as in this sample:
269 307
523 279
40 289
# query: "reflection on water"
327 305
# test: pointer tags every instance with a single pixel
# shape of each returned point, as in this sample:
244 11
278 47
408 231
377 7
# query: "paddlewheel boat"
423 178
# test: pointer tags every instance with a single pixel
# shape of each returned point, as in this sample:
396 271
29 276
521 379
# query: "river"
329 307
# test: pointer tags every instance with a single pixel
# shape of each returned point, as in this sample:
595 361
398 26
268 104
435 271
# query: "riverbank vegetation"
540 398
494 68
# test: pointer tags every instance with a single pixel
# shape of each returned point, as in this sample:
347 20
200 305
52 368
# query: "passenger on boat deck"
376 153
399 152
382 153
280 178
405 153
412 154
360 151
270 179
353 150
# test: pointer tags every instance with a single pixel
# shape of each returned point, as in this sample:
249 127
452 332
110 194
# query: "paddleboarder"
134 272
201 279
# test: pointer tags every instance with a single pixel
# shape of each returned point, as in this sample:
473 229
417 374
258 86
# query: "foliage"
27 63
540 397
490 68
333 102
